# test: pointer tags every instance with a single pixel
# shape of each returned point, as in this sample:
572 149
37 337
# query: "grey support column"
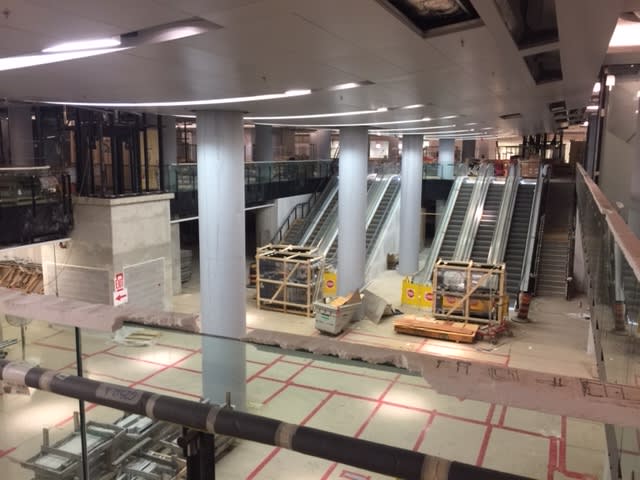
446 158
264 144
322 140
410 203
169 150
21 136
468 149
222 253
634 195
352 208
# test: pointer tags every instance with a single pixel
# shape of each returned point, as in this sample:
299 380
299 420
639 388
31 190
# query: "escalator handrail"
374 194
376 243
323 202
533 229
503 226
472 218
424 275
378 228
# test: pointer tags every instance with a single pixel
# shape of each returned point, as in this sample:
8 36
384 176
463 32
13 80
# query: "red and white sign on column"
120 293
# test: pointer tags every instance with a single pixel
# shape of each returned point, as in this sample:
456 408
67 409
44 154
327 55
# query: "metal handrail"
293 215
374 194
503 224
325 199
224 420
474 214
424 275
534 220
389 208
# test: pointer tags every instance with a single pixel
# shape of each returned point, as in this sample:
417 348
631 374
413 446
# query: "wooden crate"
288 278
432 328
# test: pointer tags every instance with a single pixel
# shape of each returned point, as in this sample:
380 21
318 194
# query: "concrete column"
446 157
468 149
352 208
634 194
410 203
21 136
288 142
322 140
264 144
222 253
169 151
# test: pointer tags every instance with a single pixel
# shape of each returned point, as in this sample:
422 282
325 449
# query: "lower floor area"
381 404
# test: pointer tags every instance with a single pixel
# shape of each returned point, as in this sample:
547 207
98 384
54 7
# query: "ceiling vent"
511 116
545 67
530 23
426 17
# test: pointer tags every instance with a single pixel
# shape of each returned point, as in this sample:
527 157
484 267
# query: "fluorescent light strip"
319 115
336 125
23 61
417 128
187 103
79 45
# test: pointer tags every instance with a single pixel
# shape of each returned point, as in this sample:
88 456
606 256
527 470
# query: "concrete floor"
374 403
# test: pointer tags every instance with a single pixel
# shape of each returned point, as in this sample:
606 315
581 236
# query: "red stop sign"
410 293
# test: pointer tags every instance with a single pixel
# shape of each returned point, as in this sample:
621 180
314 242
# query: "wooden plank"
445 330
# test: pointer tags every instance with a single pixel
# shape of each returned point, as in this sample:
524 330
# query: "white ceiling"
269 46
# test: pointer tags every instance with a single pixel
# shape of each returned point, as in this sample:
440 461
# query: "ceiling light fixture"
413 130
382 109
448 117
592 108
626 34
23 61
334 125
346 86
189 103
79 45
411 107
586 123
610 81
597 87
317 115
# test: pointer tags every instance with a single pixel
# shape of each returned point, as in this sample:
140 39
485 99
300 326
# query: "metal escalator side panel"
376 226
424 275
376 243
503 227
332 189
472 217
533 230
330 237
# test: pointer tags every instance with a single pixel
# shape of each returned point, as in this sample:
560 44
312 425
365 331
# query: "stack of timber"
432 328
21 276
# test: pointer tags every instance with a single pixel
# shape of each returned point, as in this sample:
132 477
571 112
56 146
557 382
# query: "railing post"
199 450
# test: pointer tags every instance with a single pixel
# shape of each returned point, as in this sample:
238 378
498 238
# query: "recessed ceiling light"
23 61
626 34
316 115
79 45
448 117
386 130
426 119
470 124
382 109
346 86
487 128
596 87
415 105
297 92
189 103
334 125
592 107
585 124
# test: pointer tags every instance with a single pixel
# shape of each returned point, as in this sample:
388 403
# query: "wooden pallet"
440 329
25 277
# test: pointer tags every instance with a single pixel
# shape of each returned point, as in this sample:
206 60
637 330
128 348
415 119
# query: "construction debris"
26 277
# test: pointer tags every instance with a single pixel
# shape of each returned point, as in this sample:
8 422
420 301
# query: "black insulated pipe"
371 456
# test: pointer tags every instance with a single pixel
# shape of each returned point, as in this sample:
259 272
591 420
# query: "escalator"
326 215
382 213
518 232
455 223
332 251
488 222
